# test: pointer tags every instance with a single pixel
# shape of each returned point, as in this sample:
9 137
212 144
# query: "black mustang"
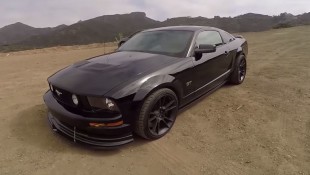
140 88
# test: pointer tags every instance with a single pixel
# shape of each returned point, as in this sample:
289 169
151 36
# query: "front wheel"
239 71
157 115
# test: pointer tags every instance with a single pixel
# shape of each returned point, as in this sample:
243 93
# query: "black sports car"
139 88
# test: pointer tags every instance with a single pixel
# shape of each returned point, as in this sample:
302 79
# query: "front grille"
64 98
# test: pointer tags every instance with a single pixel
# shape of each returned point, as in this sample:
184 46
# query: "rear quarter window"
227 37
209 37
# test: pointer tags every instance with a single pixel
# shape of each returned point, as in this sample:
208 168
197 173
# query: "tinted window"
227 37
209 37
169 42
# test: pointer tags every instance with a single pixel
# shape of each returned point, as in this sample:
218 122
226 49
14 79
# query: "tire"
238 75
167 103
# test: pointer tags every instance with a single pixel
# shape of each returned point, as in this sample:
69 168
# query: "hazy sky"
43 13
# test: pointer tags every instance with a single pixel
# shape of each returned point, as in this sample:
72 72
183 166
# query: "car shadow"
31 127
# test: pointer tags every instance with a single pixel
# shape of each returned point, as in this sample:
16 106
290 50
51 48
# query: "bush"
282 25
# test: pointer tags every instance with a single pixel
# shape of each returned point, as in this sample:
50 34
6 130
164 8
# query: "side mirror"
122 41
204 48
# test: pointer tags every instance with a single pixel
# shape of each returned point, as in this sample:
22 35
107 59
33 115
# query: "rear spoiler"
238 36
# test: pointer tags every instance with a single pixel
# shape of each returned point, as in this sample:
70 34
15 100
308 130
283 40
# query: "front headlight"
103 103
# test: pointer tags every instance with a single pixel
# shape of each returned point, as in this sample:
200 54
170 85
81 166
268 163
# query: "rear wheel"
239 72
157 115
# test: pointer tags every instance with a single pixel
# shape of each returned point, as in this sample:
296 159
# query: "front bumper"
77 127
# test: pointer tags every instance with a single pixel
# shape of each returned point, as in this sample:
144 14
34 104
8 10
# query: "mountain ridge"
18 32
106 28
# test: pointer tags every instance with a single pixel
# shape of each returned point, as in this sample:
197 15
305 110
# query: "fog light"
99 125
75 99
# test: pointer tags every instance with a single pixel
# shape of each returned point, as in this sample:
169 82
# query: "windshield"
170 42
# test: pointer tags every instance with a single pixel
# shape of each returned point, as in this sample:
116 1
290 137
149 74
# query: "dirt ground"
260 127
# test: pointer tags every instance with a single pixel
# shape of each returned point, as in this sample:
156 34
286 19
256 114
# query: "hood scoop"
101 74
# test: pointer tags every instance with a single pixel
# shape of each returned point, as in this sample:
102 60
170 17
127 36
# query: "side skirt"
200 98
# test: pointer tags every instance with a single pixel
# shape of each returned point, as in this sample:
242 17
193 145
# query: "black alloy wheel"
239 71
161 117
158 114
242 70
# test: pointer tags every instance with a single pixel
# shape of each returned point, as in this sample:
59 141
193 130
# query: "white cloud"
210 8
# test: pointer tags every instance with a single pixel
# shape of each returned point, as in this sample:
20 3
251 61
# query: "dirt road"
260 127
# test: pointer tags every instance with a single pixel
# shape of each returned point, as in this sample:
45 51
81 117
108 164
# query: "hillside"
18 32
249 22
97 30
107 28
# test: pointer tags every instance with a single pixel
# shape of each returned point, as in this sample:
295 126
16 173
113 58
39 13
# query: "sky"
50 13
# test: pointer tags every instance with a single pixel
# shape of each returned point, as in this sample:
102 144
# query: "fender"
239 52
240 49
157 82
243 48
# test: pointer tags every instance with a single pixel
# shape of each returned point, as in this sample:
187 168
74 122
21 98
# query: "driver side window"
209 37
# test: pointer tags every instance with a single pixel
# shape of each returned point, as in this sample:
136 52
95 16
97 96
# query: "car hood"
99 75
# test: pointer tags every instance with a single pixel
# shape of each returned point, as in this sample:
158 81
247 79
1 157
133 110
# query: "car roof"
187 28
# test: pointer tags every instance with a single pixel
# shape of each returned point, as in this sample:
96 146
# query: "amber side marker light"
99 125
